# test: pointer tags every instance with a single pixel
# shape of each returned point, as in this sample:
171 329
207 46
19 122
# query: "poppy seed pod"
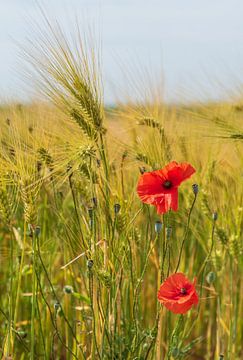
195 189
90 264
117 208
68 289
215 216
57 306
158 226
211 277
37 231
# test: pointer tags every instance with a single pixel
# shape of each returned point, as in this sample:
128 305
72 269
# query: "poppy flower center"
167 184
183 291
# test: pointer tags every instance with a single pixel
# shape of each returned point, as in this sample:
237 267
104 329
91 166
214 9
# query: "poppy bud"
215 215
142 170
195 189
37 231
90 264
57 306
68 289
211 277
117 208
168 232
158 226
221 357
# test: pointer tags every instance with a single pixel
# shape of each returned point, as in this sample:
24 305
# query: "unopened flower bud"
158 226
211 277
90 264
215 216
195 189
117 208
57 306
37 231
68 289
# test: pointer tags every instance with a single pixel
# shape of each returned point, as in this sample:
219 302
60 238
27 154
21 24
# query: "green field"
81 259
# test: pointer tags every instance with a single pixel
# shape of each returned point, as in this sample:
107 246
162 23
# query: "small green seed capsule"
57 306
90 264
37 231
215 216
211 277
195 189
117 208
158 226
68 289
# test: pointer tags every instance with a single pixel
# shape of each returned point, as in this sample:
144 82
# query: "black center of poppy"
167 184
183 291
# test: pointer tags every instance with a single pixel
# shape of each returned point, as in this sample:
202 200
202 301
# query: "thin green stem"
33 307
186 232
20 270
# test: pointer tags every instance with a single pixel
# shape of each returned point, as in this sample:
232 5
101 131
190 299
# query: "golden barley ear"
29 192
68 73
8 203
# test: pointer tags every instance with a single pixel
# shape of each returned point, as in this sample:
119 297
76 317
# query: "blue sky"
197 44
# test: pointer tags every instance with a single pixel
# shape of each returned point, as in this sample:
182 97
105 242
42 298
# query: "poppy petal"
179 172
167 202
149 187
177 308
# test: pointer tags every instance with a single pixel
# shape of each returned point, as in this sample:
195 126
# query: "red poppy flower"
177 294
160 187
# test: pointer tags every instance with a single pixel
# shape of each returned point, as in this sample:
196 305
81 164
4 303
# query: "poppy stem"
186 232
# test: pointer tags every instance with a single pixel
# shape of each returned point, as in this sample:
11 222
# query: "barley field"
93 258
